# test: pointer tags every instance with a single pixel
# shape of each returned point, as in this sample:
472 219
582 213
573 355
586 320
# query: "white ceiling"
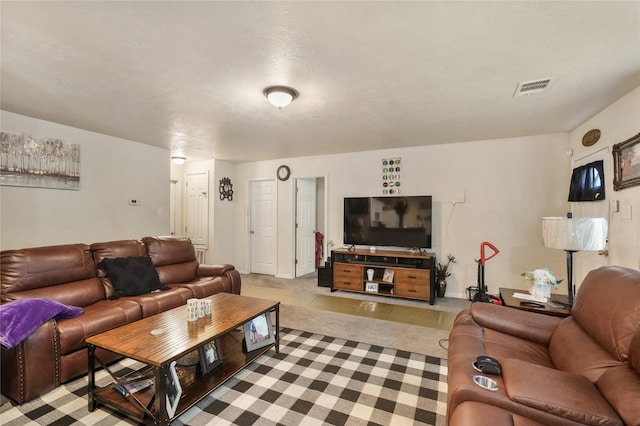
189 75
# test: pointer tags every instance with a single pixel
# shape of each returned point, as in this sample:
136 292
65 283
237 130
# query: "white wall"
112 171
221 224
224 238
617 123
509 184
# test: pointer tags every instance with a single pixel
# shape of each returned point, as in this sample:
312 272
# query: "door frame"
583 262
294 213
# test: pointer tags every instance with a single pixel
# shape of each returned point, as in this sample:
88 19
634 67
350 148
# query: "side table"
506 294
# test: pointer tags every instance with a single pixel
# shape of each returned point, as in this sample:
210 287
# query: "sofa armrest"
213 270
225 270
567 395
531 326
33 367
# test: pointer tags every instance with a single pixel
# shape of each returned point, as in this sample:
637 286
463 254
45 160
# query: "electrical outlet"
134 202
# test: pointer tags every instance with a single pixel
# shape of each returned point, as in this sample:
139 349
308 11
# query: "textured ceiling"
189 75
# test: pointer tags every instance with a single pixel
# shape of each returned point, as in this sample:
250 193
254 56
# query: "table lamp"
572 235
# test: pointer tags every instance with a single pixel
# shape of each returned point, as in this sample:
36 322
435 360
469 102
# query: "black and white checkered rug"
314 380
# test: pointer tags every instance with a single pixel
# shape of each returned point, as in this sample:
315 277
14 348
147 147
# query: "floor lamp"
572 235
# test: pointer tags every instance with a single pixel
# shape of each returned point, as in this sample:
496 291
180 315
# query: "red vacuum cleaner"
479 293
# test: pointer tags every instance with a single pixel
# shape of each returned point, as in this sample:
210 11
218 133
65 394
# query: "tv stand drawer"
413 290
412 283
347 276
412 276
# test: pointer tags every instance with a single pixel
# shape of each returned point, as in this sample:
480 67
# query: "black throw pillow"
131 276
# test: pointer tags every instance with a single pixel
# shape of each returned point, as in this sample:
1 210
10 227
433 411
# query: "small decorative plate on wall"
591 137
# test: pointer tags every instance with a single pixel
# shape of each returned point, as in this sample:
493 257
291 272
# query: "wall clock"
283 173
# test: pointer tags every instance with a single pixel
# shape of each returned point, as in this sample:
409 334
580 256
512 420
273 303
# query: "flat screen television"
388 221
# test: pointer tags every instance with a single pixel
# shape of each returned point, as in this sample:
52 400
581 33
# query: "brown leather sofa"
583 369
56 351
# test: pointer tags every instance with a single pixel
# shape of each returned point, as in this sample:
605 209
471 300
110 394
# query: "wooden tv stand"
396 273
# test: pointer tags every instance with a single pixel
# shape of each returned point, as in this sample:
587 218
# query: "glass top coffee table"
159 340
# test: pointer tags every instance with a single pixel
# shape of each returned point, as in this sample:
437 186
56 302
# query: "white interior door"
305 226
585 261
262 227
197 227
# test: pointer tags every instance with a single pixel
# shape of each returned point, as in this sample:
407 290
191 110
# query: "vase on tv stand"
370 273
442 287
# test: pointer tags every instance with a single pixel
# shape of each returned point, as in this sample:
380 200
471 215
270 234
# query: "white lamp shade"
575 234
280 99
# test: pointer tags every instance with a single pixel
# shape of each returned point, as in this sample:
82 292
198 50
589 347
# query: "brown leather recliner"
56 351
583 369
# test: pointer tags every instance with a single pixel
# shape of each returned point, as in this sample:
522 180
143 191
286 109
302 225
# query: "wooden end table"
142 341
506 294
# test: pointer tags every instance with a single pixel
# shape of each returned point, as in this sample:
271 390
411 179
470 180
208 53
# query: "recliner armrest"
526 325
212 270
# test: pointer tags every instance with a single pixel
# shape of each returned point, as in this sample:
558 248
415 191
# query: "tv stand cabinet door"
347 276
412 283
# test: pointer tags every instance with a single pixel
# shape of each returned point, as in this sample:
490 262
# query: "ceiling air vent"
533 87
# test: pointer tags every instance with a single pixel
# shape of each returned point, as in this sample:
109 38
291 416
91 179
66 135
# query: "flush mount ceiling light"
178 161
280 96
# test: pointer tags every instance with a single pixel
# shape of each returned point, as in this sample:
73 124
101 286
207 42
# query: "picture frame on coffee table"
174 390
259 332
209 355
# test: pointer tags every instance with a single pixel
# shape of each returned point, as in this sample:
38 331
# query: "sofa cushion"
132 276
575 351
114 249
610 317
566 395
39 267
154 303
174 258
18 319
169 250
99 317
77 293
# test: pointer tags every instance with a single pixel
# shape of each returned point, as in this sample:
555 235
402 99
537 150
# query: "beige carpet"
412 338
392 334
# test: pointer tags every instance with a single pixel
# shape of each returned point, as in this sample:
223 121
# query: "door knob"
603 252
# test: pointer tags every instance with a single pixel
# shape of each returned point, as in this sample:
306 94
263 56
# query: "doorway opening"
310 224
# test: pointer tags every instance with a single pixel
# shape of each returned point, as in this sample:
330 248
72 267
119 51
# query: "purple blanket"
18 319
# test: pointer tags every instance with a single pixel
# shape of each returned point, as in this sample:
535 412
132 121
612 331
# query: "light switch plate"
626 212
615 206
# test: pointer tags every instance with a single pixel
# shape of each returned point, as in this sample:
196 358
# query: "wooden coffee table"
160 339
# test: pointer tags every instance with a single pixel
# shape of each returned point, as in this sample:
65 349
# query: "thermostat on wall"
134 201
